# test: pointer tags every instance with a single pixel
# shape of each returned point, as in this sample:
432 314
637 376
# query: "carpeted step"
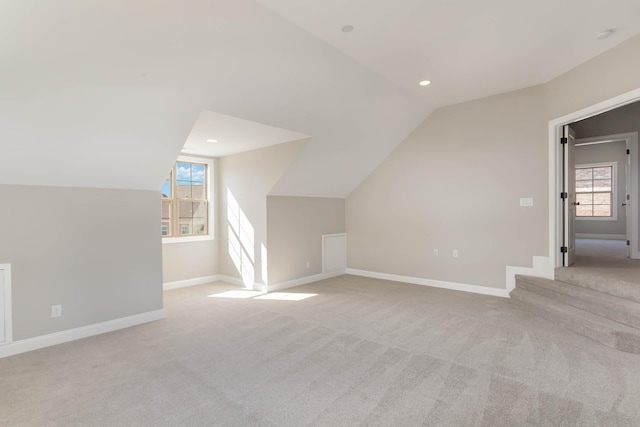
621 310
598 328
601 280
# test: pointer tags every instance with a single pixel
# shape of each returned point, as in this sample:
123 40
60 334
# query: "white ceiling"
233 135
105 93
469 49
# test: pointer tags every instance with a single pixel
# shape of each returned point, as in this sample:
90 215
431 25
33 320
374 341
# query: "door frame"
555 167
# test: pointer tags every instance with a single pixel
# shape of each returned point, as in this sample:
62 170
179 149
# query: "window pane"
198 191
601 210
166 218
584 173
583 210
198 173
602 173
583 186
183 189
602 198
166 188
584 198
601 185
183 171
166 210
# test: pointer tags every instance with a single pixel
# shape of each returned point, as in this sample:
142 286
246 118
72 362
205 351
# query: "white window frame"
614 192
210 202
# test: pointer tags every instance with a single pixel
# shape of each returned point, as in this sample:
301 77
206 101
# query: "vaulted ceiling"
105 93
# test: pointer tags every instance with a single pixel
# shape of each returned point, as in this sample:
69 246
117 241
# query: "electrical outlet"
455 253
308 264
56 310
435 252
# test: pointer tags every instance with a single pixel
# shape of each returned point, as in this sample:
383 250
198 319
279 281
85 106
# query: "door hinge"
563 249
563 195
628 242
628 151
563 140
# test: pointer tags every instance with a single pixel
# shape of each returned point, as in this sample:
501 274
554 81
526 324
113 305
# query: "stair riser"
606 339
614 339
619 314
629 291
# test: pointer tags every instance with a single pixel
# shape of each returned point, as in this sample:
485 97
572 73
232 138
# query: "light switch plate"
526 201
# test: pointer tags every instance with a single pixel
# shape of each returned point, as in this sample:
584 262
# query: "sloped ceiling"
469 49
104 93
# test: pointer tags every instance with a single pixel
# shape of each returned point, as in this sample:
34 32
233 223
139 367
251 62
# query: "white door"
569 196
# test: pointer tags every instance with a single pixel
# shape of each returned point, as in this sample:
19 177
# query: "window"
595 191
186 207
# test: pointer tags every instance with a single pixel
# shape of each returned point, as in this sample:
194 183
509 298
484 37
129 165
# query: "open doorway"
596 176
603 172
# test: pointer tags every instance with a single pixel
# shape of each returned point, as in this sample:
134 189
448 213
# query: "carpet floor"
340 352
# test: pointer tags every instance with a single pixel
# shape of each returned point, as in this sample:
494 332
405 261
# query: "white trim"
555 173
5 270
186 239
541 268
303 280
601 236
614 191
61 337
190 282
497 292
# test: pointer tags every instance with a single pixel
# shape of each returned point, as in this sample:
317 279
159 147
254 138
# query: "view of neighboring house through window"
185 201
594 190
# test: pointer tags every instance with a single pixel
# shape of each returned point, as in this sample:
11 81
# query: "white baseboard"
191 282
542 267
432 283
601 236
61 337
303 281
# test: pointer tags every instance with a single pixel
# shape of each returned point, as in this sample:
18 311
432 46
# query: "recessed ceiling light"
604 34
425 83
347 28
212 140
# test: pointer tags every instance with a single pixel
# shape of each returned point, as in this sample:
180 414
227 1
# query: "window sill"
189 239
596 218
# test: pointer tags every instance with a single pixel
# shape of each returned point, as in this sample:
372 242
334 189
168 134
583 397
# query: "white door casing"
569 196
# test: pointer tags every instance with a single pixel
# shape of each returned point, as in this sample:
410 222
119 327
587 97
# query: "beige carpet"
360 352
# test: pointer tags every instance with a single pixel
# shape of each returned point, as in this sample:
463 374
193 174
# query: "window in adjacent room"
186 200
595 191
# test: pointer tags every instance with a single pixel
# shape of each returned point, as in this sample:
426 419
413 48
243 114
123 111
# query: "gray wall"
599 153
244 181
455 183
294 229
94 251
